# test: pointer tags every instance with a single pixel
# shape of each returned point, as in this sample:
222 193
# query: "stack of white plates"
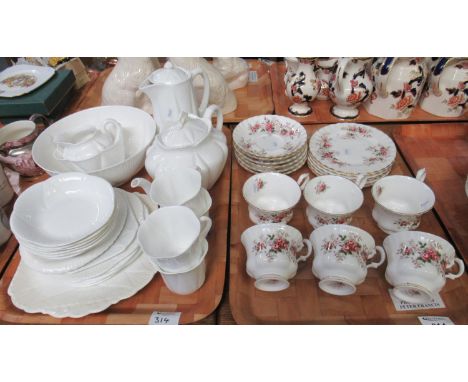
269 143
351 149
78 246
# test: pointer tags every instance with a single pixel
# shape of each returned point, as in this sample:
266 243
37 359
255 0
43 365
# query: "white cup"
272 196
177 187
417 265
400 201
271 254
341 254
189 281
172 238
332 199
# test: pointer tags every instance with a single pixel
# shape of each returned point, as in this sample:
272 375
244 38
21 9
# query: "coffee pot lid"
190 130
168 75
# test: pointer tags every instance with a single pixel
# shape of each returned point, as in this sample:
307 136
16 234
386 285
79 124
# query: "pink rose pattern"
320 187
259 184
422 253
270 245
344 245
379 154
407 224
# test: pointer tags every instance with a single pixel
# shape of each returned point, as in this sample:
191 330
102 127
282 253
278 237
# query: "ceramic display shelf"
443 150
303 302
322 113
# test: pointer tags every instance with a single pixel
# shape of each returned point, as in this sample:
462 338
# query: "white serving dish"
38 75
138 130
63 209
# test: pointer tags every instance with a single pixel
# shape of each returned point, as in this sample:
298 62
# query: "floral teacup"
341 254
332 199
272 196
271 254
417 265
400 201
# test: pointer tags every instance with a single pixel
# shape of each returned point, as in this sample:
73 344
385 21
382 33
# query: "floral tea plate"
353 148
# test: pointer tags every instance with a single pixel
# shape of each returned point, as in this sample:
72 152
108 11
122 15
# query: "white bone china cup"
272 196
400 201
332 199
177 187
272 254
341 254
418 263
172 238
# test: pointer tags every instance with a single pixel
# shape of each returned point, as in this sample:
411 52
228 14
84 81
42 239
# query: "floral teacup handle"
361 180
461 270
303 180
309 250
382 257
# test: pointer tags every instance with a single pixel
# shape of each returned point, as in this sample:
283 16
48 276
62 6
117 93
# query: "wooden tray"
155 296
303 302
443 150
254 99
321 109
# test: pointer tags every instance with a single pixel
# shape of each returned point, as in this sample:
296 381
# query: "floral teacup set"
417 261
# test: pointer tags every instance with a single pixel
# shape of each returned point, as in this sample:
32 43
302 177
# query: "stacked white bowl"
75 231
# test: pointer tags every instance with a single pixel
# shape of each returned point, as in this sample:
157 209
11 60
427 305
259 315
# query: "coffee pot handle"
461 270
303 180
206 224
309 250
214 109
382 257
206 89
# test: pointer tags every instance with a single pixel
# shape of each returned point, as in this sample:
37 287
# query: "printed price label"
401 305
435 320
253 76
164 318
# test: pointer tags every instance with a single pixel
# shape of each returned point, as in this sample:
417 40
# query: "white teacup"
271 254
333 199
400 201
272 196
172 238
177 187
189 281
417 265
341 254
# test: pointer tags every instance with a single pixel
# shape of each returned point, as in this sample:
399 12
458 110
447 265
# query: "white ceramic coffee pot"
171 92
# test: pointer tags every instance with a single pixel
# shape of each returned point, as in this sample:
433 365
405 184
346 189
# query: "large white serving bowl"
63 209
138 129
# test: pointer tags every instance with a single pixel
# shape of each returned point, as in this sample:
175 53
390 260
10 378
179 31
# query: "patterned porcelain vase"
302 85
350 85
446 90
324 72
398 84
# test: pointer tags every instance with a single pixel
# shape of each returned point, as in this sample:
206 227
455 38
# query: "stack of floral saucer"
351 149
269 143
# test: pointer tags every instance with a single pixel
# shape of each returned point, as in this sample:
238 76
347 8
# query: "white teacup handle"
214 109
361 180
309 250
303 180
143 183
382 258
206 224
421 174
461 270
